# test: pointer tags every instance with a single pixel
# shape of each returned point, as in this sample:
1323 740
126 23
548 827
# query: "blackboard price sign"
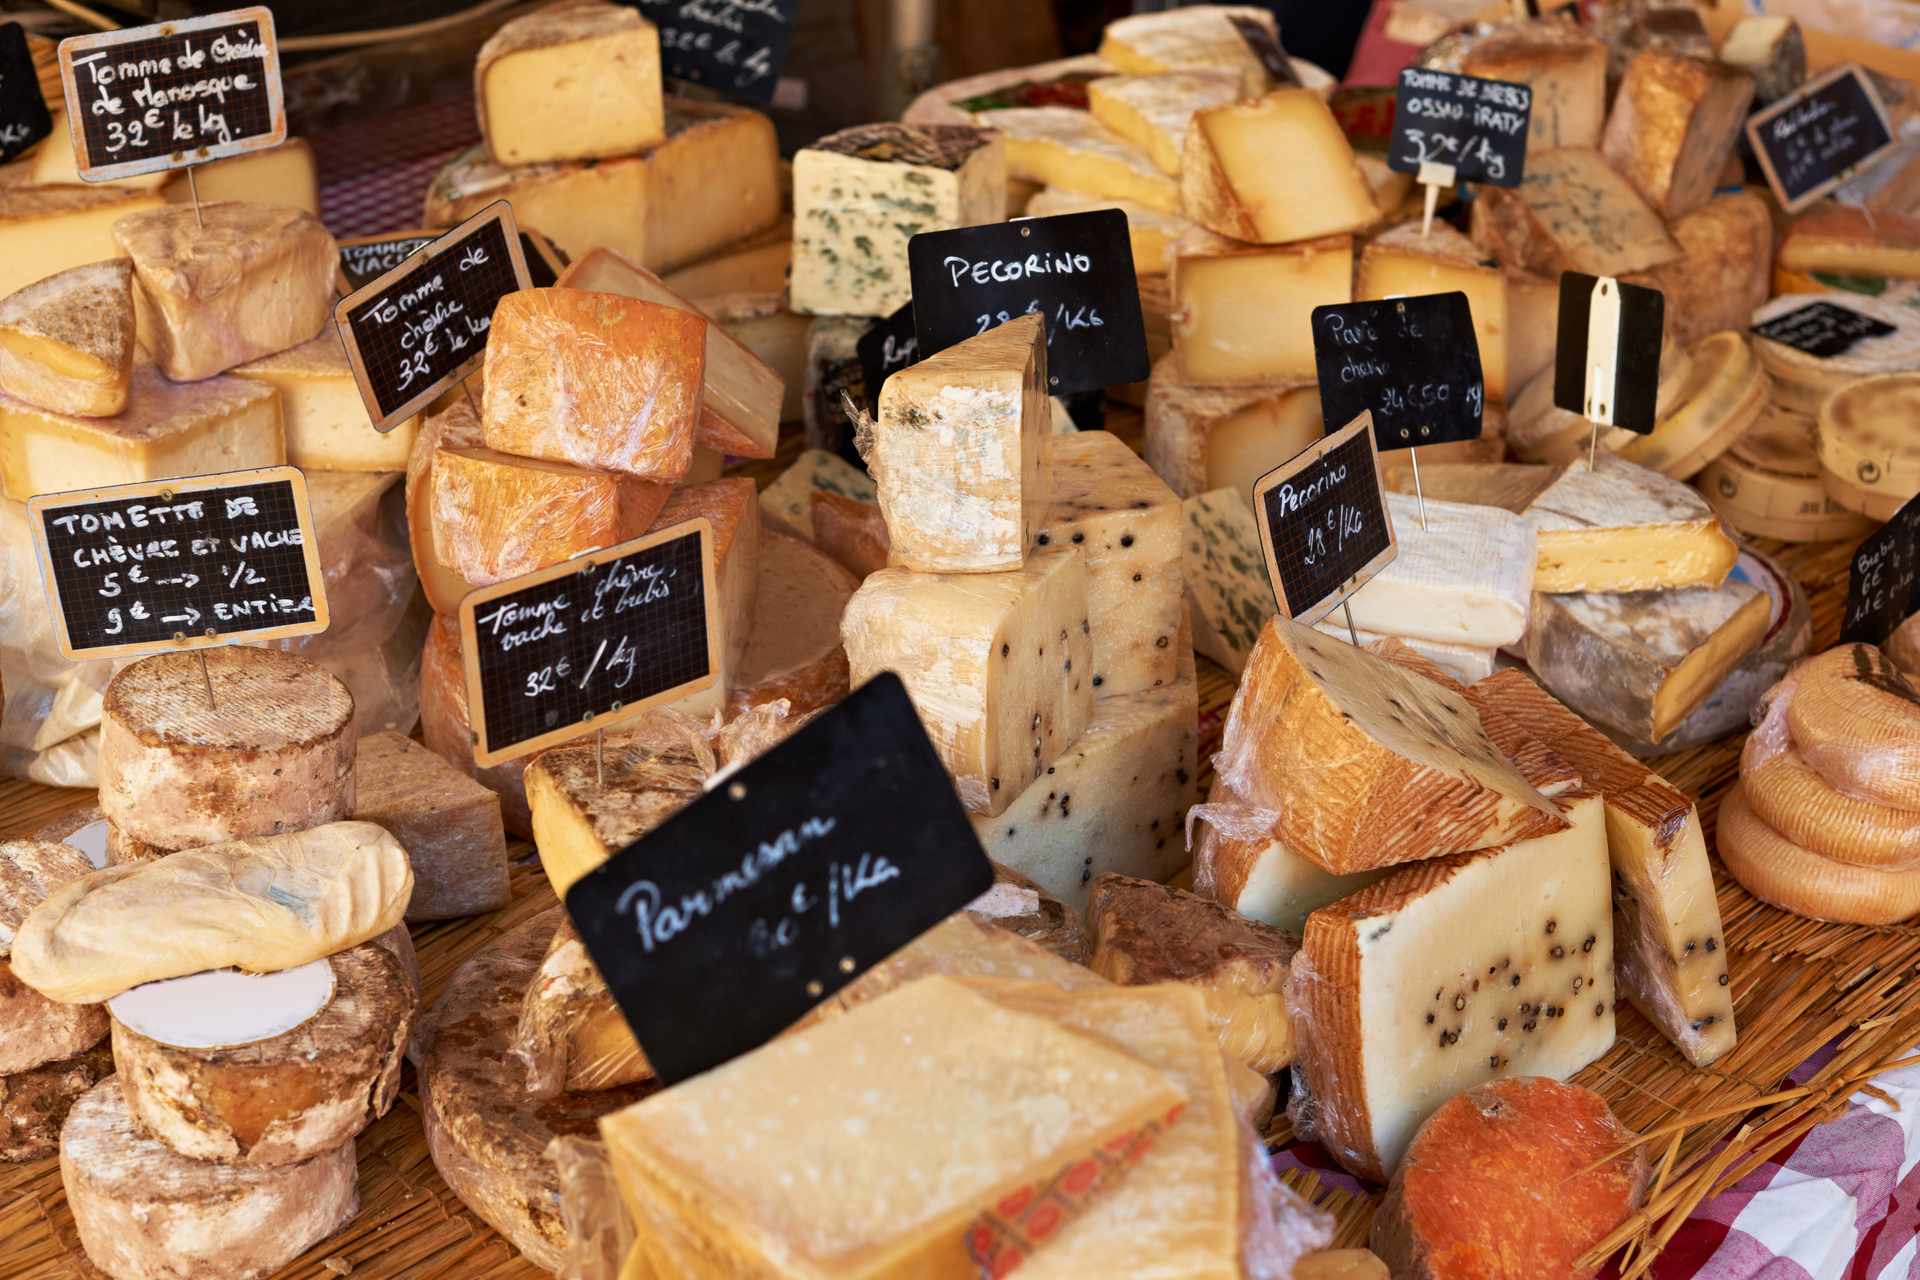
1821 135
1076 270
1323 522
172 565
720 928
366 258
1822 329
423 325
1413 363
1606 360
887 348
735 46
24 118
1475 127
144 99
1883 588
590 642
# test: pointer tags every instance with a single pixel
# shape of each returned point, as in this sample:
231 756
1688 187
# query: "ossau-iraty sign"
1475 128
1323 522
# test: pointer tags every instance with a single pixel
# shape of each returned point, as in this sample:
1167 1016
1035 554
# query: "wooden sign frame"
1310 612
171 491
108 40
1760 119
484 754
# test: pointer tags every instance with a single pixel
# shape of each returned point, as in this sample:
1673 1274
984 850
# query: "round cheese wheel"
289 1097
274 753
145 1212
1803 382
1725 390
1789 795
1870 503
1767 483
35 1030
1857 720
1867 435
1774 869
449 734
487 1134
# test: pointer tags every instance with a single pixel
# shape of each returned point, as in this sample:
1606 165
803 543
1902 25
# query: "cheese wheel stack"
1869 459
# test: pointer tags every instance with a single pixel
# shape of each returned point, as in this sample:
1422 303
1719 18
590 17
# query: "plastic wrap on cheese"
258 905
599 1228
449 734
49 730
1856 719
571 1033
1022 906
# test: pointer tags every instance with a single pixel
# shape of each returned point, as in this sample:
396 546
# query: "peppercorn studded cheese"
66 342
570 81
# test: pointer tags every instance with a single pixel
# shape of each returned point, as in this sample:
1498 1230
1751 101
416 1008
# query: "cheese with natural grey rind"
793 650
1243 313
1462 575
1227 588
1802 381
39 1098
1201 438
1403 261
228 282
323 413
1726 271
1571 212
143 1211
570 81
448 824
960 453
1153 111
1272 170
1450 972
66 342
1620 527
273 754
1184 39
1674 124
33 1029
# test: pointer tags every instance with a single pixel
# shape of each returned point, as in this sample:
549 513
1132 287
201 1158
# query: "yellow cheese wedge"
1201 438
1621 527
570 82
1403 261
1062 147
1242 313
1273 170
286 174
1153 111
45 230
325 416
66 343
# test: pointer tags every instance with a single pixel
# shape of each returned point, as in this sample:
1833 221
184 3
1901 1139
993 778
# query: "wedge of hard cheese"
1620 527
448 824
66 342
33 1029
794 650
571 1035
571 81
1272 170
1571 212
731 507
1463 575
591 802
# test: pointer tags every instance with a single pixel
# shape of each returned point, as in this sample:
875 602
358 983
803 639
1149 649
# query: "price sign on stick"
1606 364
720 928
174 565
888 347
422 326
173 94
1883 588
1323 522
735 46
24 118
1821 135
590 642
1449 128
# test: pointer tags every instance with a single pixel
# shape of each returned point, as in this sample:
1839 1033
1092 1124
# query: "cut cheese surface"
1150 231
1622 527
1273 170
223 1008
1200 36
1725 271
46 230
1572 212
1243 313
1463 577
1201 438
285 174
588 805
572 1035
497 515
571 81
1153 111
1565 66
66 342
1227 589
1240 863
753 264
323 413
1062 147
1465 663
1674 123
1403 261
55 165
1837 239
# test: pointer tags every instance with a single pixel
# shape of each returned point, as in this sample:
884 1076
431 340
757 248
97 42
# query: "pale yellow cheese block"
1403 261
45 230
1063 147
1153 111
571 81
67 342
323 413
286 174
1201 438
1273 170
1243 313
1621 527
448 824
55 164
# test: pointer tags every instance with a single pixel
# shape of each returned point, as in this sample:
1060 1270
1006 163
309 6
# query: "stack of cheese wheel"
1803 381
1869 452
1767 485
1825 820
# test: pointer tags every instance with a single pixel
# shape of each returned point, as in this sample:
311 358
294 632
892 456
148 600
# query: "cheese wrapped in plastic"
793 651
457 427
497 515
1794 878
571 1034
258 905
1857 721
448 732
1022 906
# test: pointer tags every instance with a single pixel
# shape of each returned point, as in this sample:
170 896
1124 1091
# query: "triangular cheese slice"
66 342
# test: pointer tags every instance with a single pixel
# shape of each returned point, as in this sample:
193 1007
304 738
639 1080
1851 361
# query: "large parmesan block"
1367 765
1126 523
1403 261
860 194
794 650
959 455
1620 527
1201 438
1572 212
732 507
34 1030
1153 111
143 1211
66 342
323 413
1674 124
1726 271
448 824
1243 313
1273 170
46 230
1462 577
273 754
253 280
1668 940
740 393
1239 863
167 429
999 665
571 81
595 379
1447 974
448 733
572 1036
1565 67
1063 147
496 516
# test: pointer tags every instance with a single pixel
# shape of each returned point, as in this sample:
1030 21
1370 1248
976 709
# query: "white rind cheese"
1464 577
1181 39
1621 527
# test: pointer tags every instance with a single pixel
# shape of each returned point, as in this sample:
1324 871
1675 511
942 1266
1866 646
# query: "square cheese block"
1201 437
1621 527
871 1163
325 415
1273 170
1446 974
46 230
1185 39
497 516
1241 864
66 342
575 80
1725 273
1565 67
860 194
1153 111
786 505
55 164
253 280
1571 212
714 180
754 264
740 393
286 174
1669 945
998 665
1403 261
1674 125
1115 800
1229 596
448 824
960 454
1242 313
448 731
1150 232
1126 524
1064 147
595 379
1462 577
733 509
1368 765
167 429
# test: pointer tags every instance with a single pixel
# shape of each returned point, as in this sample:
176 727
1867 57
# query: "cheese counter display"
1096 811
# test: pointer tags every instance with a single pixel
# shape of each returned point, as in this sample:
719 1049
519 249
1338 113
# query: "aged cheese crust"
448 824
1572 213
1674 123
1620 527
1794 878
589 803
273 754
571 1034
34 1103
1726 271
35 1031
794 650
66 342
1181 415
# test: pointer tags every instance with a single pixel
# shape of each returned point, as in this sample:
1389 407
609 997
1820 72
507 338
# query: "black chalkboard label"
24 118
1822 329
159 97
364 260
1413 363
735 46
1076 270
423 325
180 564
1323 522
720 928
1266 47
1822 134
1476 127
590 642
888 347
1621 351
1883 588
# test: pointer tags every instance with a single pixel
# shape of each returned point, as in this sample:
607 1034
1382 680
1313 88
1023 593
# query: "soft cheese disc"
222 1008
92 841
